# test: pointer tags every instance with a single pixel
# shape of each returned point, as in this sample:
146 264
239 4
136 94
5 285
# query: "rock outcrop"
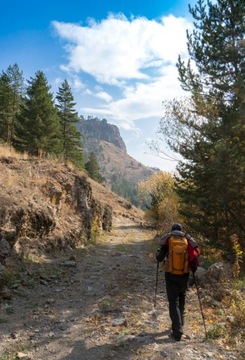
45 207
118 169
101 130
48 207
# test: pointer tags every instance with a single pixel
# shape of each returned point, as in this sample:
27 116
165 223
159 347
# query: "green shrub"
215 332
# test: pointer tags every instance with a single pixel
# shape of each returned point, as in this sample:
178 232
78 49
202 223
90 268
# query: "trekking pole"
200 304
155 298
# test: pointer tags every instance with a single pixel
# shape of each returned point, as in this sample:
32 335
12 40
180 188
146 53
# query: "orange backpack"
177 261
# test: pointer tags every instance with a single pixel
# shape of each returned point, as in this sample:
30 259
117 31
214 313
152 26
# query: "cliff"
117 168
101 130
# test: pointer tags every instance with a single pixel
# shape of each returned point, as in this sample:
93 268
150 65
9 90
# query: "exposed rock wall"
45 207
101 130
118 169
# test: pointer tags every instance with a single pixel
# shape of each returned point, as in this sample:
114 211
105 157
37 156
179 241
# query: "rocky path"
98 304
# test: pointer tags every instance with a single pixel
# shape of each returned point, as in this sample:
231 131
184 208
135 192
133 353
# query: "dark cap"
176 226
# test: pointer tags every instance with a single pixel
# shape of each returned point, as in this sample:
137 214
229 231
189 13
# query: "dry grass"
10 152
28 180
120 205
113 160
32 172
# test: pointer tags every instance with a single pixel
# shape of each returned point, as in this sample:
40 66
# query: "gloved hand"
194 269
157 254
193 265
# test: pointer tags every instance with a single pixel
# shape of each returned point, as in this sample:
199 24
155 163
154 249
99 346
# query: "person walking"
180 254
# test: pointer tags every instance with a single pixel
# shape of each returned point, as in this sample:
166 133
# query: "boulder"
218 273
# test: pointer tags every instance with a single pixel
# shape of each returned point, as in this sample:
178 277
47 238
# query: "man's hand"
193 265
194 269
157 254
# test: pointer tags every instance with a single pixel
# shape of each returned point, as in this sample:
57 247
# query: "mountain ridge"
116 166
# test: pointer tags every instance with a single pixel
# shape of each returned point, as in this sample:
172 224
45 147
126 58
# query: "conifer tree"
38 129
5 107
11 98
93 168
209 129
71 137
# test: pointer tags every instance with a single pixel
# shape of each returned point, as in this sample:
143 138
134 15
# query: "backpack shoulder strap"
163 240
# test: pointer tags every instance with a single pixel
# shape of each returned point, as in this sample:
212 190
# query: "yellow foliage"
160 184
237 250
159 188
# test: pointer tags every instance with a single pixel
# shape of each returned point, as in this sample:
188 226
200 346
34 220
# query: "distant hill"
120 171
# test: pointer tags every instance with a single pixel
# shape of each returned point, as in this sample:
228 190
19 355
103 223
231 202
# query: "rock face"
101 130
46 206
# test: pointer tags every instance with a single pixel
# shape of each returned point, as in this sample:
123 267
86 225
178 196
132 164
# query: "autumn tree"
208 129
70 136
163 205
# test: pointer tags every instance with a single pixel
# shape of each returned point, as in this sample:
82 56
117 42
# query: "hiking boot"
175 337
186 337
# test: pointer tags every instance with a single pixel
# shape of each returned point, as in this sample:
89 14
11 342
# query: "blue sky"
118 56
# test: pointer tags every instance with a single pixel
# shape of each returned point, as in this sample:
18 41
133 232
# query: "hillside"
107 144
78 272
46 206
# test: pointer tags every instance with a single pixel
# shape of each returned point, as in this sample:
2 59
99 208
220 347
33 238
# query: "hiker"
179 254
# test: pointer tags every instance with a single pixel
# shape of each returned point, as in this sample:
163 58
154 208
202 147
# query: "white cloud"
104 96
134 59
117 48
57 81
77 83
142 101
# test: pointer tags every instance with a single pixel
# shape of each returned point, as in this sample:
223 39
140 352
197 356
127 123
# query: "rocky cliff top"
101 130
119 170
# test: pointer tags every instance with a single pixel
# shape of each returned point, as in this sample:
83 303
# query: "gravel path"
97 303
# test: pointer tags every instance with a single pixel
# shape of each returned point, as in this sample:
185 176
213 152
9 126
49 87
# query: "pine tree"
38 129
5 107
93 168
71 137
11 98
209 130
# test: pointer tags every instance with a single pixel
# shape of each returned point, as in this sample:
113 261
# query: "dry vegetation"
112 278
113 160
33 173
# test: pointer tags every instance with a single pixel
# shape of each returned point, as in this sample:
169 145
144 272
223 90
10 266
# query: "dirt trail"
97 304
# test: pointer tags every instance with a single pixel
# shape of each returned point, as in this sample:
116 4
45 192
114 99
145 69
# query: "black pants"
176 286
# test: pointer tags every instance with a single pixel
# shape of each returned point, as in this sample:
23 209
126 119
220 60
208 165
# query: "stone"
118 322
21 355
5 248
216 274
